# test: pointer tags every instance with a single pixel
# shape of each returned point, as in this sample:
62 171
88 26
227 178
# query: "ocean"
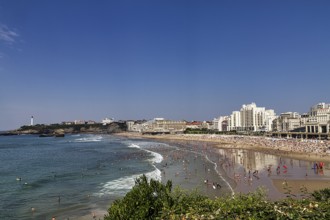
70 176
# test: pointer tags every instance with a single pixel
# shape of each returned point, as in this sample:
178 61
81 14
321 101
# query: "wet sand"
296 185
245 167
195 166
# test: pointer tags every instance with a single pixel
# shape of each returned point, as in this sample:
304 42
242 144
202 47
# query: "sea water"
70 176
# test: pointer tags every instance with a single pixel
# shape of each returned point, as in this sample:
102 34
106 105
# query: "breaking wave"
157 158
89 139
122 185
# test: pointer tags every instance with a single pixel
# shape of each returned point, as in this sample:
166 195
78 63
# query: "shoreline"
244 142
274 184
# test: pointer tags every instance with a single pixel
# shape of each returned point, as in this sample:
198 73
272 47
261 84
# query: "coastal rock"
60 129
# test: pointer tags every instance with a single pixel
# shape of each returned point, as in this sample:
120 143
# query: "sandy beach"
246 163
301 149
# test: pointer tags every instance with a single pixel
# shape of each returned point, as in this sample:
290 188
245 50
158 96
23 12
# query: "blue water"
69 176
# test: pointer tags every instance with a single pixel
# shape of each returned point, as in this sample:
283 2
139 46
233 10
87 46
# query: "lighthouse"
31 121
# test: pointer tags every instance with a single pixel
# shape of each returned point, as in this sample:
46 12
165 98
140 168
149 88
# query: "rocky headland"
61 129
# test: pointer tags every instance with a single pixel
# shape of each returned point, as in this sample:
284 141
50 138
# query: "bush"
322 195
145 201
153 200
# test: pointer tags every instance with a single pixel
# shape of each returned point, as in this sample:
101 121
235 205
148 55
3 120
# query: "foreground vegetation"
154 200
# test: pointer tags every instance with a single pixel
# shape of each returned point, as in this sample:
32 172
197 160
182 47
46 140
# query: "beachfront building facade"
221 123
318 121
234 122
249 118
270 116
199 125
255 118
135 126
287 122
161 125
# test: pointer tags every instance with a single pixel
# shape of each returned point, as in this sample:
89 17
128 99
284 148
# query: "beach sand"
236 163
296 185
244 142
193 166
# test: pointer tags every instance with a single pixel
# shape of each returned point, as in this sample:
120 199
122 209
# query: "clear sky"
62 60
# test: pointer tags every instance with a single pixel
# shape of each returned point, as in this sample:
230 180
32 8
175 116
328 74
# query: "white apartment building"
234 123
255 118
249 118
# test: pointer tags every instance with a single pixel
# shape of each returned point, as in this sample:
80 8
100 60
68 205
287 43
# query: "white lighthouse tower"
31 121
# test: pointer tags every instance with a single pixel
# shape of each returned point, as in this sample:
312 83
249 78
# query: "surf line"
219 174
157 158
215 168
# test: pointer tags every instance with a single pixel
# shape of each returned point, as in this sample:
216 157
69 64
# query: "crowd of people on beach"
320 147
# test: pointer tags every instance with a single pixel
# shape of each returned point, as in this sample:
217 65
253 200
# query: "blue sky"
195 60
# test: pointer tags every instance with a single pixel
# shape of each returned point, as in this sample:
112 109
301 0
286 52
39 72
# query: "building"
315 124
79 122
221 123
90 122
318 121
249 118
287 122
130 125
235 121
216 124
107 121
253 118
194 125
270 116
160 125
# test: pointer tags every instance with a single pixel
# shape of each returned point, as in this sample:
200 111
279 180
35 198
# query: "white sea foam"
134 146
89 139
122 185
75 135
157 158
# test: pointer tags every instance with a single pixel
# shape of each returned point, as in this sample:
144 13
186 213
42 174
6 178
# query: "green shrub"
145 201
322 195
153 200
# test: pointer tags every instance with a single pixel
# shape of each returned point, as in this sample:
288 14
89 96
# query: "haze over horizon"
193 60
